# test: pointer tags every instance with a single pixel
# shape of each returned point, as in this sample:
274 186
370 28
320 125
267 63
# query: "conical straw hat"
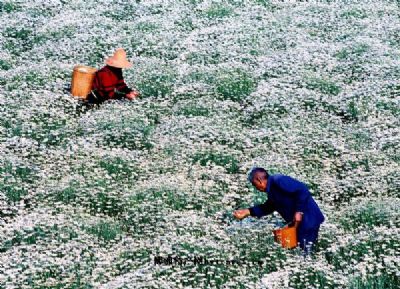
119 59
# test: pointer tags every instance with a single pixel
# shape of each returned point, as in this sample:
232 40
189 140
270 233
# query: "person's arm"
126 91
298 217
261 210
122 87
256 211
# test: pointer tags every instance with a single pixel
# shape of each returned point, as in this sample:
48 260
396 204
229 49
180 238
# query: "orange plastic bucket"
286 236
82 80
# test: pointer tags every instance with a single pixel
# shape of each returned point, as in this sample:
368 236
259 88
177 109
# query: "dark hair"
256 170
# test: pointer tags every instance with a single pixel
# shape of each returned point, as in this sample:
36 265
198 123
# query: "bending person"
109 82
291 199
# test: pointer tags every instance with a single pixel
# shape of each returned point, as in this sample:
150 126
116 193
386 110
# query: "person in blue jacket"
291 199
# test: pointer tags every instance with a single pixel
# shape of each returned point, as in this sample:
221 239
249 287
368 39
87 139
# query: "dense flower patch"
91 196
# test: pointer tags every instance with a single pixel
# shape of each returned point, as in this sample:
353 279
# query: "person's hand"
131 95
241 214
298 217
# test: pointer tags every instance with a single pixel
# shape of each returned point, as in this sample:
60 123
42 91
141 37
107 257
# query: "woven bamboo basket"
82 80
286 236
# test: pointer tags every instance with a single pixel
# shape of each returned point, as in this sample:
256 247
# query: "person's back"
290 196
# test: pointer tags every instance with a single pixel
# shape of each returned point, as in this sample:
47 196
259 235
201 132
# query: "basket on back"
286 237
82 80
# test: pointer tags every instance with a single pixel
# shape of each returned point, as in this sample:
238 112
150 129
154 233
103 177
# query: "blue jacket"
288 196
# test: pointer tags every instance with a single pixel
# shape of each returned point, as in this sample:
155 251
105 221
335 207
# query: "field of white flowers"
90 197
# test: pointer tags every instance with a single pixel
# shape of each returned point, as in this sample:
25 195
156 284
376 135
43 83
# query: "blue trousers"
307 239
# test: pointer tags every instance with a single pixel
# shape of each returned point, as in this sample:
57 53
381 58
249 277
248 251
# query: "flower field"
140 194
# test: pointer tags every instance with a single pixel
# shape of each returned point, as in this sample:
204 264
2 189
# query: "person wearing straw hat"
291 199
109 83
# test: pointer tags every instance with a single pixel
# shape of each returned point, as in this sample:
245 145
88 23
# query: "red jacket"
109 83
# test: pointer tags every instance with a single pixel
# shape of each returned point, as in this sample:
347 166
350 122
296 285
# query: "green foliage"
106 231
235 84
65 32
68 195
394 38
13 181
119 169
333 140
32 236
355 72
269 112
323 86
9 7
281 43
354 13
352 111
194 110
22 34
352 52
372 248
124 11
40 38
359 164
157 82
195 2
170 198
187 23
321 150
360 141
18 40
204 58
52 273
205 267
124 263
35 79
382 281
3 81
98 49
265 3
392 90
311 277
325 31
216 11
253 118
312 164
4 65
258 247
389 106
198 76
390 149
144 221
130 133
187 249
158 85
259 197
228 162
28 237
147 26
46 11
14 194
105 203
47 129
25 174
371 214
